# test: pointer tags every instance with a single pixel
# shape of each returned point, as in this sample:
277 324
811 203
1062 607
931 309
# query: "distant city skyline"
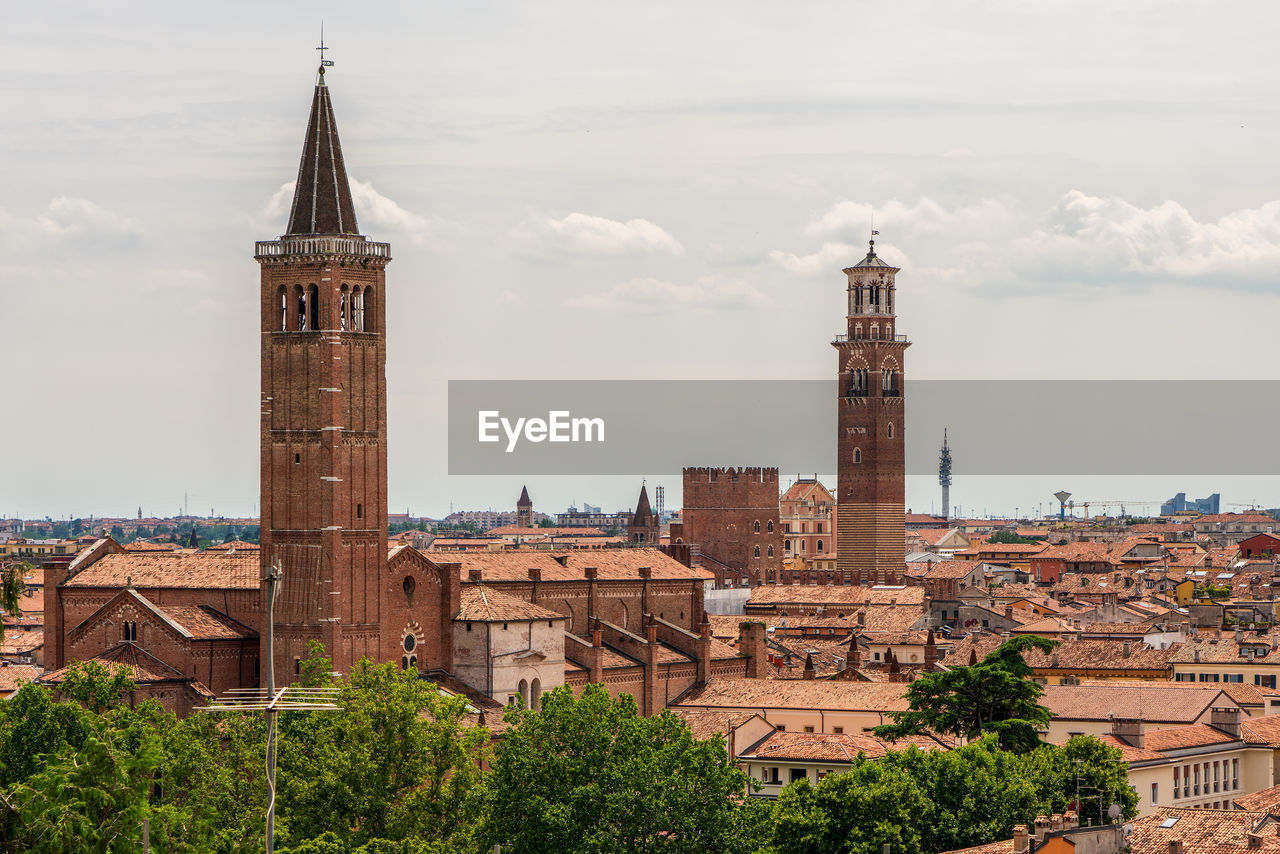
573 192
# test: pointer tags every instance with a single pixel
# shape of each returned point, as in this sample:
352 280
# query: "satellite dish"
1113 811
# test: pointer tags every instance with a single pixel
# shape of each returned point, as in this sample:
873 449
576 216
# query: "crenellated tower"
324 412
870 457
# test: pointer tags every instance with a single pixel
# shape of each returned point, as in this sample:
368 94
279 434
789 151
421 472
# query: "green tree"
994 695
589 774
11 587
1086 766
1003 537
94 796
860 811
95 686
975 793
397 761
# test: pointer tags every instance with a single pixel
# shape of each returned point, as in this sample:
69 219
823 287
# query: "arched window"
284 309
756 526
770 551
786 546
819 546
890 429
757 551
535 695
357 310
343 308
300 298
857 455
367 314
770 527
524 694
313 307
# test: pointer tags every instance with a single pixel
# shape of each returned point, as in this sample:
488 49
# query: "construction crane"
1252 505
1108 503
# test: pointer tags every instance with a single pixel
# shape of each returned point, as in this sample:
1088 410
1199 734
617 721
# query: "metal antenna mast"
271 701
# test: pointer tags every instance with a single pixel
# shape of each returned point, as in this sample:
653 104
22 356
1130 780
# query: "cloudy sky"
593 190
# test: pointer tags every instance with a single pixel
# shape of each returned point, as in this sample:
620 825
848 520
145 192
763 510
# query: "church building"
501 626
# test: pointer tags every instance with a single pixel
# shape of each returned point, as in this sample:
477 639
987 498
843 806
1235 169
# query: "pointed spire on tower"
322 196
643 517
524 500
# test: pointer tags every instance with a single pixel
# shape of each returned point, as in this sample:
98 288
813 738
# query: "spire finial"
324 63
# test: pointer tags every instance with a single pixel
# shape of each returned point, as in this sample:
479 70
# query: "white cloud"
1097 239
381 213
1077 240
832 256
923 217
375 213
655 296
583 234
71 222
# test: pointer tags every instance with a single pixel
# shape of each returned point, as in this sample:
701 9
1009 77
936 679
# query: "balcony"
289 246
844 339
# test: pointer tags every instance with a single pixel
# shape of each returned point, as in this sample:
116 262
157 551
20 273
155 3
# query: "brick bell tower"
871 497
324 412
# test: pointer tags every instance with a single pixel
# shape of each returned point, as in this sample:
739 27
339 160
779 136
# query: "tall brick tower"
524 509
324 412
871 499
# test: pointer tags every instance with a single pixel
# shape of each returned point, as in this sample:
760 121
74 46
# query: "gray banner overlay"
996 427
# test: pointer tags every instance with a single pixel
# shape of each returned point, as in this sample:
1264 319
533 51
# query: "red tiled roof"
1201 831
221 571
482 604
800 694
610 564
204 623
141 666
13 675
817 594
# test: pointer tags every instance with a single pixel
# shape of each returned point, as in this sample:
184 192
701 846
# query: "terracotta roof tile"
1182 737
202 622
818 594
1201 831
485 605
238 571
1267 800
610 564
141 666
13 675
792 693
1160 702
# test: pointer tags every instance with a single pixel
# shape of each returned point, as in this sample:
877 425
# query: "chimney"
1008 612
1019 839
1175 846
1055 822
754 645
1070 820
1227 720
1127 649
808 666
535 574
930 651
1129 731
646 572
1239 635
473 575
1042 828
